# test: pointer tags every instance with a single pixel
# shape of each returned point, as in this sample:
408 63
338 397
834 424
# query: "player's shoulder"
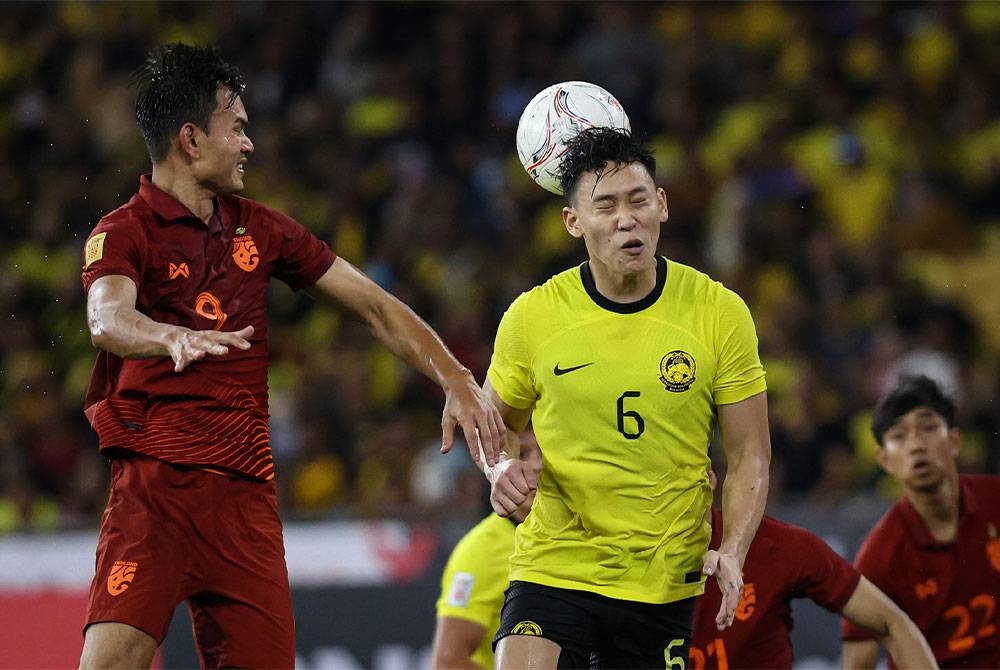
246 209
134 215
491 537
699 286
559 289
888 533
987 486
788 536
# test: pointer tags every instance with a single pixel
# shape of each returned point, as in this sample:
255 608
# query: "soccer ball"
553 118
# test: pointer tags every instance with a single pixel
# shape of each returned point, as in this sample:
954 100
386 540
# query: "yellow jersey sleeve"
475 578
740 374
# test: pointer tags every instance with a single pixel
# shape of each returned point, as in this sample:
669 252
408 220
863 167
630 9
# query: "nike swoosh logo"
557 371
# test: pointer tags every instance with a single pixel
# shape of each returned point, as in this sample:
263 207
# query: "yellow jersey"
475 578
623 400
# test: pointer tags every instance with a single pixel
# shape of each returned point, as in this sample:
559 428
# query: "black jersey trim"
587 277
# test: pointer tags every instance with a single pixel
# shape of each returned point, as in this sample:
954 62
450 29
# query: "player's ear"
955 438
882 457
188 138
572 222
662 197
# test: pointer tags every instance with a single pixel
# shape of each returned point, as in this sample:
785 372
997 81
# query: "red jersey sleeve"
824 576
303 258
116 246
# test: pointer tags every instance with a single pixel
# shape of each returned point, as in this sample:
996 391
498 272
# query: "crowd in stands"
837 164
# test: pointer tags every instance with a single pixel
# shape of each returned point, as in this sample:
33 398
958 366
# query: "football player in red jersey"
936 552
786 562
176 282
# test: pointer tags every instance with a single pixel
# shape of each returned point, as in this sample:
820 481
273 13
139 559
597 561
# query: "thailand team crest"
122 574
677 370
245 253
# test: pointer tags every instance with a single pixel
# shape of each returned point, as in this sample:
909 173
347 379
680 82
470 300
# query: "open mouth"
921 467
633 246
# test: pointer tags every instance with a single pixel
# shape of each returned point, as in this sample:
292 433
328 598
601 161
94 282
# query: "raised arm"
747 445
871 608
409 337
116 326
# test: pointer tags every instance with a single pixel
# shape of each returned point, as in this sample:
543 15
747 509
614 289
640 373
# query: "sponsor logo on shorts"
677 370
526 628
122 573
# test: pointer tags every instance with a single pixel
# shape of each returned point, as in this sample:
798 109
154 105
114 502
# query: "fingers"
194 345
448 436
725 569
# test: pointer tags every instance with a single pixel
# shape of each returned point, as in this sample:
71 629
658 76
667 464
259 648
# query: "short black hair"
593 148
177 84
910 393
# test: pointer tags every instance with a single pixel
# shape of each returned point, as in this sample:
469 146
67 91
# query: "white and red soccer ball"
554 117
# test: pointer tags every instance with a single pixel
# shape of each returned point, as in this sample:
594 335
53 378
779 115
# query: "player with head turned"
625 366
936 552
176 282
786 562
474 580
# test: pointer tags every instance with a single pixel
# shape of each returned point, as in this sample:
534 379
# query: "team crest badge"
122 573
526 628
993 547
677 370
245 253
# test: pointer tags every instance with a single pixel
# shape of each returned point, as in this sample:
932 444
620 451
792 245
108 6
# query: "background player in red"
176 283
936 552
786 562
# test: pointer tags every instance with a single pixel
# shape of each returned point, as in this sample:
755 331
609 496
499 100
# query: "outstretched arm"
118 327
409 337
747 444
871 608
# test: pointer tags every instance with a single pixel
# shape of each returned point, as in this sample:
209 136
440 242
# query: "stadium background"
837 164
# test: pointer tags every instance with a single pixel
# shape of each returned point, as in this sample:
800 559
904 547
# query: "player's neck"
623 287
187 191
939 508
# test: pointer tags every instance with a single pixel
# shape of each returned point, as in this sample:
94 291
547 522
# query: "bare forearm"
409 337
128 333
907 646
744 495
860 656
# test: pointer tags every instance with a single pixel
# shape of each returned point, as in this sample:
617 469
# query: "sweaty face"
919 449
618 215
224 149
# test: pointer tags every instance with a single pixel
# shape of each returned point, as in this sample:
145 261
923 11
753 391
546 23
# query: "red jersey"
951 590
783 562
203 277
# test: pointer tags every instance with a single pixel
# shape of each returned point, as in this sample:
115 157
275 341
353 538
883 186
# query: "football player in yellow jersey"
473 583
625 366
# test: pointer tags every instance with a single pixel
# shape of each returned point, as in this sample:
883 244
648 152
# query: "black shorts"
595 631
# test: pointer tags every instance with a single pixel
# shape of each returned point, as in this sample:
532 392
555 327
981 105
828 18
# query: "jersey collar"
587 277
165 205
968 506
